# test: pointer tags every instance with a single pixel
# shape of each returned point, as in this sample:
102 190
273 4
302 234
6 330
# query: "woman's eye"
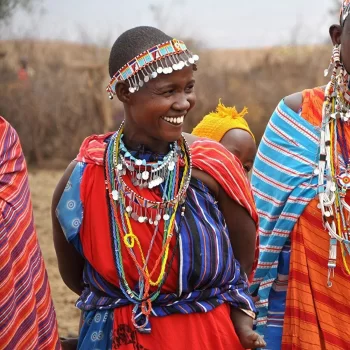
189 88
168 92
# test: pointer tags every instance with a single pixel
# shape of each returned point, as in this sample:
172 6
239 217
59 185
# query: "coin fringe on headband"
160 59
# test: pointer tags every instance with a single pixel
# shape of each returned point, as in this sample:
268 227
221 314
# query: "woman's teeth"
174 120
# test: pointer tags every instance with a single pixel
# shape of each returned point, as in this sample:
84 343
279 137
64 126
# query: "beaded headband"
150 63
344 11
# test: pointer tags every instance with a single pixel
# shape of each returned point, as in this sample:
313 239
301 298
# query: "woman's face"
345 45
340 35
158 110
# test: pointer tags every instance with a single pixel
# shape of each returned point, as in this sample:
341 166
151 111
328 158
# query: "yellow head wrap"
216 124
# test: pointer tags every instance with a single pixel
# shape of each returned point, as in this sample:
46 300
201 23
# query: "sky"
215 24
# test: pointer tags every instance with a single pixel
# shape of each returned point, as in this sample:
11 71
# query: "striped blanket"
283 184
27 316
297 309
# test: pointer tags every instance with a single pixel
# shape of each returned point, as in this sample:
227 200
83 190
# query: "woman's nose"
182 102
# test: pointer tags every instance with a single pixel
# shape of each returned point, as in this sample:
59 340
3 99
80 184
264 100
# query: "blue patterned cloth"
70 209
97 331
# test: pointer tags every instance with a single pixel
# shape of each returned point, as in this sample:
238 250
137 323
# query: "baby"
229 127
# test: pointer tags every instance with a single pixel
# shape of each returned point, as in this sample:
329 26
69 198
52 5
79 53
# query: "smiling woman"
160 107
147 220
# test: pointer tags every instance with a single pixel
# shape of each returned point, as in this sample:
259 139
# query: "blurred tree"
8 7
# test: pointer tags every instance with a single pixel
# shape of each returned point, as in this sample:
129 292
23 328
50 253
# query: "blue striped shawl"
283 184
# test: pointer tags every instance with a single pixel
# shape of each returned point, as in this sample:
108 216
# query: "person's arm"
70 262
241 228
294 101
242 232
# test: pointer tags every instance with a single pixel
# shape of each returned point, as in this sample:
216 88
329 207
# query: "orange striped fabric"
214 159
27 315
316 317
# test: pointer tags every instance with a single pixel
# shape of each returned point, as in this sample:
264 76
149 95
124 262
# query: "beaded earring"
335 60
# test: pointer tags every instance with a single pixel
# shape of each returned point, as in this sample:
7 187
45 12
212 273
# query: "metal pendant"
343 180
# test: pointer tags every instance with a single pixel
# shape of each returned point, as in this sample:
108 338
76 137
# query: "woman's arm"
242 230
70 262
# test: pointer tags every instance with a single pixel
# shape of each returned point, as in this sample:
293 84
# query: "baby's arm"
243 323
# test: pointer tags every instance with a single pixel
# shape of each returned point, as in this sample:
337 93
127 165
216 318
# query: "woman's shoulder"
196 142
7 132
10 150
4 124
211 151
191 138
308 104
93 148
222 166
296 101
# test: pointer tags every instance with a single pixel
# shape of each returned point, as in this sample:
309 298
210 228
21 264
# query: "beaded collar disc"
162 58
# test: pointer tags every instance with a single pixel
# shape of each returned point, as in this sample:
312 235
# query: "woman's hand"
69 343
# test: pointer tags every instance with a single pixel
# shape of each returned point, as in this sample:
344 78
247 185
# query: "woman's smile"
174 120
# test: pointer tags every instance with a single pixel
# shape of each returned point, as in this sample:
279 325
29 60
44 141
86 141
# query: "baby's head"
229 127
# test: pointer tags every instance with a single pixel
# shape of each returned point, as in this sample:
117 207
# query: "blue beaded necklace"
141 297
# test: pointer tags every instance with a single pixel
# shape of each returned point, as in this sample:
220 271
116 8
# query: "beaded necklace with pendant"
333 178
124 202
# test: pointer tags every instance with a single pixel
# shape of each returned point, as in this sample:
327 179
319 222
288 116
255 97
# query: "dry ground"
42 184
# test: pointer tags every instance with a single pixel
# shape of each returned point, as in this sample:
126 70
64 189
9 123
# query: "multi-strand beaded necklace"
334 166
173 175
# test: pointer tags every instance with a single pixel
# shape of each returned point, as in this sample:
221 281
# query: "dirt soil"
42 185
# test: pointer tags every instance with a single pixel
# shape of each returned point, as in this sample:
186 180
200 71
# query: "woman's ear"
122 91
335 33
